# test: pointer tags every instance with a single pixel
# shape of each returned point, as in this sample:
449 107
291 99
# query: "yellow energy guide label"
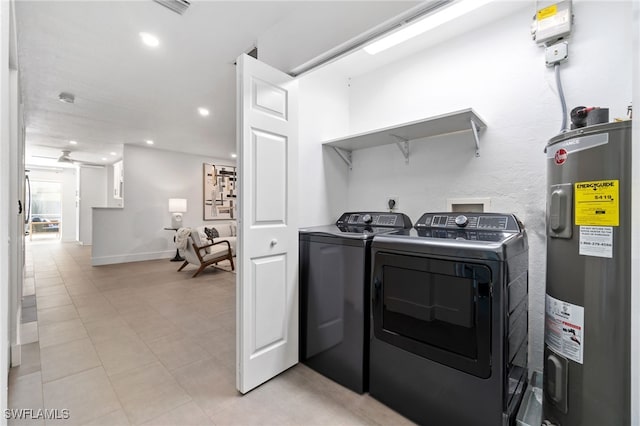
596 203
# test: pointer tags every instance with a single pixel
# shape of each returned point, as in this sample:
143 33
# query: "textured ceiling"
126 92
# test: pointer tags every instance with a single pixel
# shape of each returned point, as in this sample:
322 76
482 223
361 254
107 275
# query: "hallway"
140 343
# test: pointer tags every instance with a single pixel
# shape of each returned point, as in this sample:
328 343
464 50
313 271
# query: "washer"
335 275
449 310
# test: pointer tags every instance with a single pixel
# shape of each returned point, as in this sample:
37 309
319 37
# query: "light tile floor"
140 343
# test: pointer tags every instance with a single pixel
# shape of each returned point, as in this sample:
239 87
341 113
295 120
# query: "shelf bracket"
403 146
474 128
344 154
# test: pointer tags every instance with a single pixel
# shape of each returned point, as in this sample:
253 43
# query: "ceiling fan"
66 158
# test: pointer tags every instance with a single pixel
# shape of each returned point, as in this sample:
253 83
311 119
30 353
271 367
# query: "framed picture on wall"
219 194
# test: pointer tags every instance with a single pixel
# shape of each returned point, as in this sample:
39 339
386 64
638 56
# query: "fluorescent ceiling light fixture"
429 22
113 153
203 111
149 39
234 155
73 143
149 142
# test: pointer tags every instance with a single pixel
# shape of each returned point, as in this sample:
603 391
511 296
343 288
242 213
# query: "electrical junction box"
552 23
557 53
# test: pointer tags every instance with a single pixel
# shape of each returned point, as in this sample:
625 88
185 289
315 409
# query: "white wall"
16 233
5 125
69 205
92 193
499 72
151 176
322 175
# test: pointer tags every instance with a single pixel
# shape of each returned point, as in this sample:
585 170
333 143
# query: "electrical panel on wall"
552 23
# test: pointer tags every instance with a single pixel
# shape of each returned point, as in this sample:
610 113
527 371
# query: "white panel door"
267 263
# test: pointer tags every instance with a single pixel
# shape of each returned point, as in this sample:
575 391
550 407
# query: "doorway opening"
45 214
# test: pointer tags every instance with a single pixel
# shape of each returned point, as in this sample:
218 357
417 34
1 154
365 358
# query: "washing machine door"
437 309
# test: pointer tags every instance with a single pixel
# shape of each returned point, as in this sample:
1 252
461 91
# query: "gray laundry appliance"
334 293
449 311
587 339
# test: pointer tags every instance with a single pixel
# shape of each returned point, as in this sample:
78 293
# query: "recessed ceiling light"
113 153
149 142
203 111
234 155
73 143
104 159
150 40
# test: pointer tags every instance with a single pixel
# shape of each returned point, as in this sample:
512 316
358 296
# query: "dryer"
449 337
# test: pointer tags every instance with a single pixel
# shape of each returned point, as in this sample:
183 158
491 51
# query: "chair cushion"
232 243
216 251
199 237
202 240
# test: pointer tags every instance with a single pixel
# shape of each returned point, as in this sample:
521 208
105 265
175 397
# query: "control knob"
462 221
367 218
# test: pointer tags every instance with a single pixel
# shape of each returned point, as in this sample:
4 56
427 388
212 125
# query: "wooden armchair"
205 254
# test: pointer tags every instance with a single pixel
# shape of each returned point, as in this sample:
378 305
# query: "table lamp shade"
177 206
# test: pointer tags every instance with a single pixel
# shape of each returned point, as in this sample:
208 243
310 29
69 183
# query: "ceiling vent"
178 6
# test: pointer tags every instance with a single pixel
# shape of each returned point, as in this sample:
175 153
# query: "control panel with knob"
375 219
461 221
469 220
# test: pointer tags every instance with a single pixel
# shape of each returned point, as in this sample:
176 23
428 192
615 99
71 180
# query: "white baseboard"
135 257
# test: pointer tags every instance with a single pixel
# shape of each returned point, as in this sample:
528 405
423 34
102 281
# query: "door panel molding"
267 272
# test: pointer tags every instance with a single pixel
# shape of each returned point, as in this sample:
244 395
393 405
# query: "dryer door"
436 309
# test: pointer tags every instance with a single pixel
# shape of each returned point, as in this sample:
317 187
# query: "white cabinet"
458 121
118 180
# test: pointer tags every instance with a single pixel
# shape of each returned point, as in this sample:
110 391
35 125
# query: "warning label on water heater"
596 241
564 328
597 203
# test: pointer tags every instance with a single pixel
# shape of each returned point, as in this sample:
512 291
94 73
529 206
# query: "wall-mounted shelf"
459 121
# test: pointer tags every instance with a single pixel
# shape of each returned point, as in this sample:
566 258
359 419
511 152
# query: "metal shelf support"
344 154
474 128
403 146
